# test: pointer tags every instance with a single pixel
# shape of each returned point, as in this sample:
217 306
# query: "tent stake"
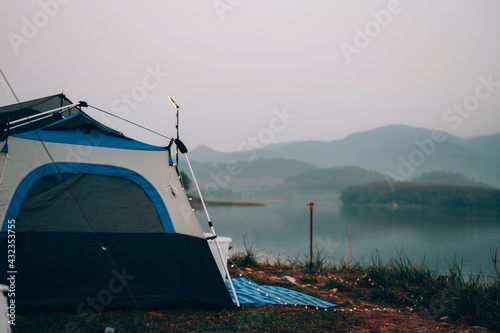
213 232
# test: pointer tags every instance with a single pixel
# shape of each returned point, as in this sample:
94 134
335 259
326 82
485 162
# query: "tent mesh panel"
111 204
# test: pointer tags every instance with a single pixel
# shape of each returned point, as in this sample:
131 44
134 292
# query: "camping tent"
100 220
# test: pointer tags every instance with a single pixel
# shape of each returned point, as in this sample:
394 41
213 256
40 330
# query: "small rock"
290 279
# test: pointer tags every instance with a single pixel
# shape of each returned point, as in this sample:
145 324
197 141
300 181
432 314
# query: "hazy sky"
262 71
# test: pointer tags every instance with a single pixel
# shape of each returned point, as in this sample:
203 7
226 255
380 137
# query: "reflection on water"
436 234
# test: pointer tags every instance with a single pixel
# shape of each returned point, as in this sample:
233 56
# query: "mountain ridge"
398 151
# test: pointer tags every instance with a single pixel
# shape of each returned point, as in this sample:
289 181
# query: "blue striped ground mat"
251 294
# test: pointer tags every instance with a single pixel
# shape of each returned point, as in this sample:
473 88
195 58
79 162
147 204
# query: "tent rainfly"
98 220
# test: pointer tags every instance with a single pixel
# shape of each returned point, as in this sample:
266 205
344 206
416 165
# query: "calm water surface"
436 234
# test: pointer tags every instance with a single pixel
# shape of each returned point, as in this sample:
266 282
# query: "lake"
439 234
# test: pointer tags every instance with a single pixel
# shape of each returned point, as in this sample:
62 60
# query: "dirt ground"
356 312
367 316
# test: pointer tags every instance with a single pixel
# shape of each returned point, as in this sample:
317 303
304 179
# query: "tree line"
410 193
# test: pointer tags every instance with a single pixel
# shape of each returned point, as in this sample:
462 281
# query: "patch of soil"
352 301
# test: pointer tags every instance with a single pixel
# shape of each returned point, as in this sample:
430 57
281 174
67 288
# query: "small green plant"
249 257
294 262
494 258
320 261
279 261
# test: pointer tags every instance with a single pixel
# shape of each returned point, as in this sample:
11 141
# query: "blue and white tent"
99 220
93 220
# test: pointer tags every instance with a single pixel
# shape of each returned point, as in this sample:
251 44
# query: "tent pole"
177 150
213 232
43 113
32 121
177 127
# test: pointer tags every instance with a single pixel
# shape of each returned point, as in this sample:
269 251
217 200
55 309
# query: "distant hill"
409 193
485 146
446 177
276 167
206 154
402 152
330 180
229 178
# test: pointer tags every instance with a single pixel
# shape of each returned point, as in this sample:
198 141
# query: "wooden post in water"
311 207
